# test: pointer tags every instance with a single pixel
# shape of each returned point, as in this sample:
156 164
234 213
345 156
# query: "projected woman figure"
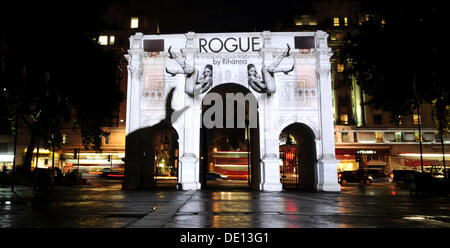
206 79
265 83
194 83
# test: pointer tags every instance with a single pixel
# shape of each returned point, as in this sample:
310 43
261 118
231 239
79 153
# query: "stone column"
270 166
134 150
135 58
189 177
327 163
270 163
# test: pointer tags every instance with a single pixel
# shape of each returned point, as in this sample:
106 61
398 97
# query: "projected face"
252 71
207 72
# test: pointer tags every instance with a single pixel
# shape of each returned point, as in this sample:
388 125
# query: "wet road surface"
103 204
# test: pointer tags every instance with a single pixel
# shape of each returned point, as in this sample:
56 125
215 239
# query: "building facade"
365 137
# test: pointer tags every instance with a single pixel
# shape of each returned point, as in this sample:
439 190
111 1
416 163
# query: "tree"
401 45
51 66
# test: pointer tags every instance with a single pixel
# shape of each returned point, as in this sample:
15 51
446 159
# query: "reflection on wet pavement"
376 205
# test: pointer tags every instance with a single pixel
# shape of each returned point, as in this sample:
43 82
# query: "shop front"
356 158
433 163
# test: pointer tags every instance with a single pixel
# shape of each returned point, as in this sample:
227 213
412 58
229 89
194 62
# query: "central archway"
229 155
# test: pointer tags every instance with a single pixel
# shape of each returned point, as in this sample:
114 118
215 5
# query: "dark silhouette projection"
141 146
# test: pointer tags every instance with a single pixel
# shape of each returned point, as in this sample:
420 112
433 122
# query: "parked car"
401 175
378 175
355 176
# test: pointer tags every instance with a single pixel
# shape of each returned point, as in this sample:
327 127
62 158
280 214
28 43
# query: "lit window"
345 137
363 18
336 21
379 136
340 67
299 22
344 118
134 22
103 40
345 21
417 119
112 39
65 139
419 137
398 137
333 36
305 20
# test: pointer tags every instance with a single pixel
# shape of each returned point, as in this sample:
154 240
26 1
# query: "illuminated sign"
230 44
366 152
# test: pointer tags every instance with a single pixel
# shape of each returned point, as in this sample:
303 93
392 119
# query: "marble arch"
296 64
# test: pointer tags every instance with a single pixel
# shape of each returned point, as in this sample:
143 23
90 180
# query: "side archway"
299 157
151 157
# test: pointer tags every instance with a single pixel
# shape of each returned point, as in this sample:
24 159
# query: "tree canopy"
52 65
397 58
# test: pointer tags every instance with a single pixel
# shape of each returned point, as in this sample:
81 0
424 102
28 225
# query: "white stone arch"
308 165
274 113
283 123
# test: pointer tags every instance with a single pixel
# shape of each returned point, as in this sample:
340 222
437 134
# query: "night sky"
174 16
221 16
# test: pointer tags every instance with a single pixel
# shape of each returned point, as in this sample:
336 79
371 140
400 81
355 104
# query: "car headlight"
370 177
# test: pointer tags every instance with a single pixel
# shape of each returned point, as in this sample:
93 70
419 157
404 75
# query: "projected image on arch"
227 147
